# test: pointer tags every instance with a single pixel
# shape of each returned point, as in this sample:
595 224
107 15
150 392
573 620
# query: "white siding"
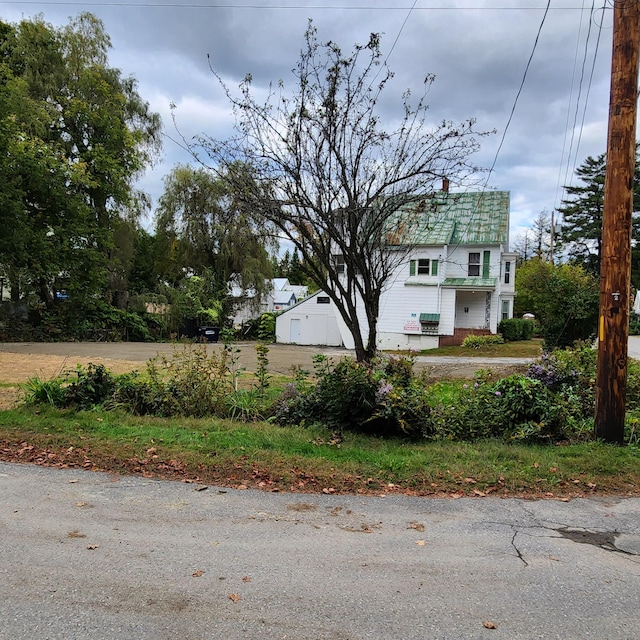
317 324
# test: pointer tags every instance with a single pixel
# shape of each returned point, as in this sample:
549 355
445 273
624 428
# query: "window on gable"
474 265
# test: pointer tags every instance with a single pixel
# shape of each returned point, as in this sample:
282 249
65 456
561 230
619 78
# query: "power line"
515 102
566 125
279 7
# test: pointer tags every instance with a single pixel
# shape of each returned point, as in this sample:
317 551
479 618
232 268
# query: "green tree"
582 213
564 298
332 179
78 136
202 228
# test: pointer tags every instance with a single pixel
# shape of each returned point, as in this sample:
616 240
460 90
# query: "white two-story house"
454 277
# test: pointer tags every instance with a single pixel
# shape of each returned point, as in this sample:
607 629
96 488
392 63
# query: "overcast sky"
477 50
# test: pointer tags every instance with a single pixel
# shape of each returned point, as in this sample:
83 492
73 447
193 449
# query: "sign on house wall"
412 324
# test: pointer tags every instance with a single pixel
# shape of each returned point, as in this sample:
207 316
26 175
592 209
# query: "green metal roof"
471 283
454 218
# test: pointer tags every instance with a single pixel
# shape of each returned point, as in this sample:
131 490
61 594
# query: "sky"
536 71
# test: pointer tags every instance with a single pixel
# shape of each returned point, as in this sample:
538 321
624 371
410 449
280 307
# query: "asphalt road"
90 555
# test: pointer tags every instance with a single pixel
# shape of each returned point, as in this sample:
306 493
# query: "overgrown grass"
263 455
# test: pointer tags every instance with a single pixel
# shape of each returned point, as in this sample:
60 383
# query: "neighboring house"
281 295
456 277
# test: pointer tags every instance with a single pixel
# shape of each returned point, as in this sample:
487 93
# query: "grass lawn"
521 349
262 455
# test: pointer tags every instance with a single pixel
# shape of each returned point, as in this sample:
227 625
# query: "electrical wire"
341 7
504 133
515 102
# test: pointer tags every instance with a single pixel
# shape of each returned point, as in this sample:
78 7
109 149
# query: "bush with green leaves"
92 386
569 373
514 329
380 398
479 342
512 408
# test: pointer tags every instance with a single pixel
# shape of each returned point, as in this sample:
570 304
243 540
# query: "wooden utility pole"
615 274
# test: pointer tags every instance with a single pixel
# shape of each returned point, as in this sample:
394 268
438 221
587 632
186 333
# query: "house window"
423 267
474 265
507 272
323 300
338 263
505 308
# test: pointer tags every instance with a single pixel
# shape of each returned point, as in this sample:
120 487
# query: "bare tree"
541 229
319 164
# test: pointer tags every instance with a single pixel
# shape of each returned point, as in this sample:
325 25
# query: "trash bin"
210 334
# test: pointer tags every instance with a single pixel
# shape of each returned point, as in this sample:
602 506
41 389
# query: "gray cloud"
478 55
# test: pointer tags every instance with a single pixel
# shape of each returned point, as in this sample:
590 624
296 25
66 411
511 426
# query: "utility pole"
615 274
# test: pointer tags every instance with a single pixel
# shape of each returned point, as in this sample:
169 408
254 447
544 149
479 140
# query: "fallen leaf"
75 534
198 573
470 480
242 487
536 465
91 547
328 490
489 625
201 487
553 469
418 526
234 597
420 543
246 579
81 504
591 485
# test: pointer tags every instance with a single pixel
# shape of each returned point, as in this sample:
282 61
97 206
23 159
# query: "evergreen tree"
582 213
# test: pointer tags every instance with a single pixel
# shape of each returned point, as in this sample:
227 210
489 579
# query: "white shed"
311 321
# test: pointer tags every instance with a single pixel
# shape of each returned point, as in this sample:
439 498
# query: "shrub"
514 329
513 408
569 373
92 386
380 398
481 342
197 382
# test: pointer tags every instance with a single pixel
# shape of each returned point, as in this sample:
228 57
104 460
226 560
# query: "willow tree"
332 177
203 229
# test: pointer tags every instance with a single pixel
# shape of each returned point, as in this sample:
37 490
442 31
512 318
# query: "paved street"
89 555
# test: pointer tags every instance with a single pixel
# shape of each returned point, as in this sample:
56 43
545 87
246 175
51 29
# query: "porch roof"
470 283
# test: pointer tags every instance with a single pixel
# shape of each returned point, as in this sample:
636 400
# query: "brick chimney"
445 185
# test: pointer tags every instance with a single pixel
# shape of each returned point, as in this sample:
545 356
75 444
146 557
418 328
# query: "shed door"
295 330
